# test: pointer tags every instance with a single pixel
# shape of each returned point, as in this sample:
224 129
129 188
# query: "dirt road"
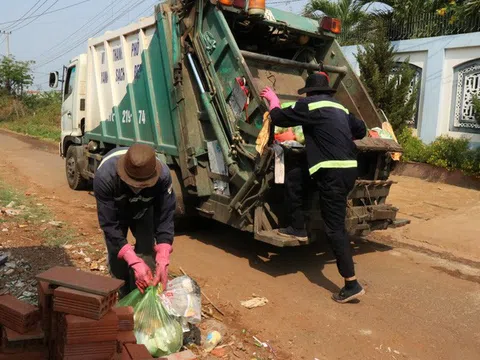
416 307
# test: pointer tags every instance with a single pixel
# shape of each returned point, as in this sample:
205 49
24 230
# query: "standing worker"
134 191
329 131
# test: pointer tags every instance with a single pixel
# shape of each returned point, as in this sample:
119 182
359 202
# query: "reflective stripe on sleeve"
326 104
118 153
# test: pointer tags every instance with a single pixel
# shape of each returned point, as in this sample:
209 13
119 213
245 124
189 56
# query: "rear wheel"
72 169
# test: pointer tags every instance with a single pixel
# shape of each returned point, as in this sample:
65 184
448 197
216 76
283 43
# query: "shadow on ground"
310 259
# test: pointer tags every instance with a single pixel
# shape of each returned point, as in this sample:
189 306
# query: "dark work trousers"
334 186
296 188
143 232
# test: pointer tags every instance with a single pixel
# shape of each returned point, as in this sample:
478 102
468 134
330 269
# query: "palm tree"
352 13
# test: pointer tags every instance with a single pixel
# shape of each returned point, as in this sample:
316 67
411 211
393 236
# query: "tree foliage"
351 12
387 83
15 75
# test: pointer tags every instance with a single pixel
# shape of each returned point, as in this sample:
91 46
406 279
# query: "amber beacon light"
331 24
256 7
226 2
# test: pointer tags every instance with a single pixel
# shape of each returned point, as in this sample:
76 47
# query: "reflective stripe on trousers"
333 164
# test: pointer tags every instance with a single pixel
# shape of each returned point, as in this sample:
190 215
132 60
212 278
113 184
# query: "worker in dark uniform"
134 191
329 131
296 191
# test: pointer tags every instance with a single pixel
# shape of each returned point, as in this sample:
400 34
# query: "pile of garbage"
16 278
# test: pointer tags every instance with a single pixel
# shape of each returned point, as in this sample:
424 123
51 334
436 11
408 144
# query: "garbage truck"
186 81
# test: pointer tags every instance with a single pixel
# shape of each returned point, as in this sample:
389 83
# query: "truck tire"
73 169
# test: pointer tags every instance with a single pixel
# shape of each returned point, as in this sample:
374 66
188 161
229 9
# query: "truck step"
272 237
399 223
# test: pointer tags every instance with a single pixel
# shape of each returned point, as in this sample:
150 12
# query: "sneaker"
346 295
300 234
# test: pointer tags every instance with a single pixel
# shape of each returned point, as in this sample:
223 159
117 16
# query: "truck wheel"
72 169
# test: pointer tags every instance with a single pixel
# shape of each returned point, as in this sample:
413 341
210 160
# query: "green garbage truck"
186 81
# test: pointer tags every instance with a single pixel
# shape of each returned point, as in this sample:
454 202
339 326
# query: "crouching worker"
329 131
134 191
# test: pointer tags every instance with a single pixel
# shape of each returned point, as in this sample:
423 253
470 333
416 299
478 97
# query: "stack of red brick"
75 319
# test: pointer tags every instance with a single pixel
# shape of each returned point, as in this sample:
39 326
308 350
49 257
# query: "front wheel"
72 169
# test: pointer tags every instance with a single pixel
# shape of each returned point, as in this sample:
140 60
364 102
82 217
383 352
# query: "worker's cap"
317 82
139 167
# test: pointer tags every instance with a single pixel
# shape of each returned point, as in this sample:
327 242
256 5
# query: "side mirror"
53 80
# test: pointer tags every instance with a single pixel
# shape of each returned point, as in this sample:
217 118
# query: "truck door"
69 100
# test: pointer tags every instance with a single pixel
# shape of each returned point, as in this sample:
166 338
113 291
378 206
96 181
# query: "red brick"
13 342
29 355
45 304
81 303
78 330
80 280
125 318
136 352
18 315
125 337
96 350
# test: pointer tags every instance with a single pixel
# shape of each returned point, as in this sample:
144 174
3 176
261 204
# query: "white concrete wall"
437 56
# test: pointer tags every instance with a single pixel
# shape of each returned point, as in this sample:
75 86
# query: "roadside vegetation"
32 113
445 152
25 214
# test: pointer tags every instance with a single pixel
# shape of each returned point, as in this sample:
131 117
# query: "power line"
96 31
77 31
23 17
43 13
48 12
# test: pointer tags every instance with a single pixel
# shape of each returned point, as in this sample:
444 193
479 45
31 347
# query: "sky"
51 40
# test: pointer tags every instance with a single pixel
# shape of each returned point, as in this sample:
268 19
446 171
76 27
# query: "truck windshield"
71 75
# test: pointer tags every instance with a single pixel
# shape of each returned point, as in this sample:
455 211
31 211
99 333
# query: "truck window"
71 74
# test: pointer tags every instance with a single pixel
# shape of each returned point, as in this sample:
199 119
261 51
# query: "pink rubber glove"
162 259
271 97
143 274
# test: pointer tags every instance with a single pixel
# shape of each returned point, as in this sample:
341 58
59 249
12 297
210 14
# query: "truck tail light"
240 4
256 7
226 2
331 24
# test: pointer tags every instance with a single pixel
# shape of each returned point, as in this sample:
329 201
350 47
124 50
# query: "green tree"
387 83
15 75
352 13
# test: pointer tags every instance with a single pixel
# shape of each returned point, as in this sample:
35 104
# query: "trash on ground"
55 223
155 328
182 299
3 259
213 339
10 212
254 302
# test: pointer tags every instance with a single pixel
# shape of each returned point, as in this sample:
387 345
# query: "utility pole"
7 35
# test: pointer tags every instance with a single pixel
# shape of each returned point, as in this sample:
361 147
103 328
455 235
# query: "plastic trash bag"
154 326
182 299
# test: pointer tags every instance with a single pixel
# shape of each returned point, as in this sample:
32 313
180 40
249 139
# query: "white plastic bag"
182 299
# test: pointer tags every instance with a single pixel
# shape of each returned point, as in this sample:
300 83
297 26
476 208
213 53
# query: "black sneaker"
300 234
346 295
